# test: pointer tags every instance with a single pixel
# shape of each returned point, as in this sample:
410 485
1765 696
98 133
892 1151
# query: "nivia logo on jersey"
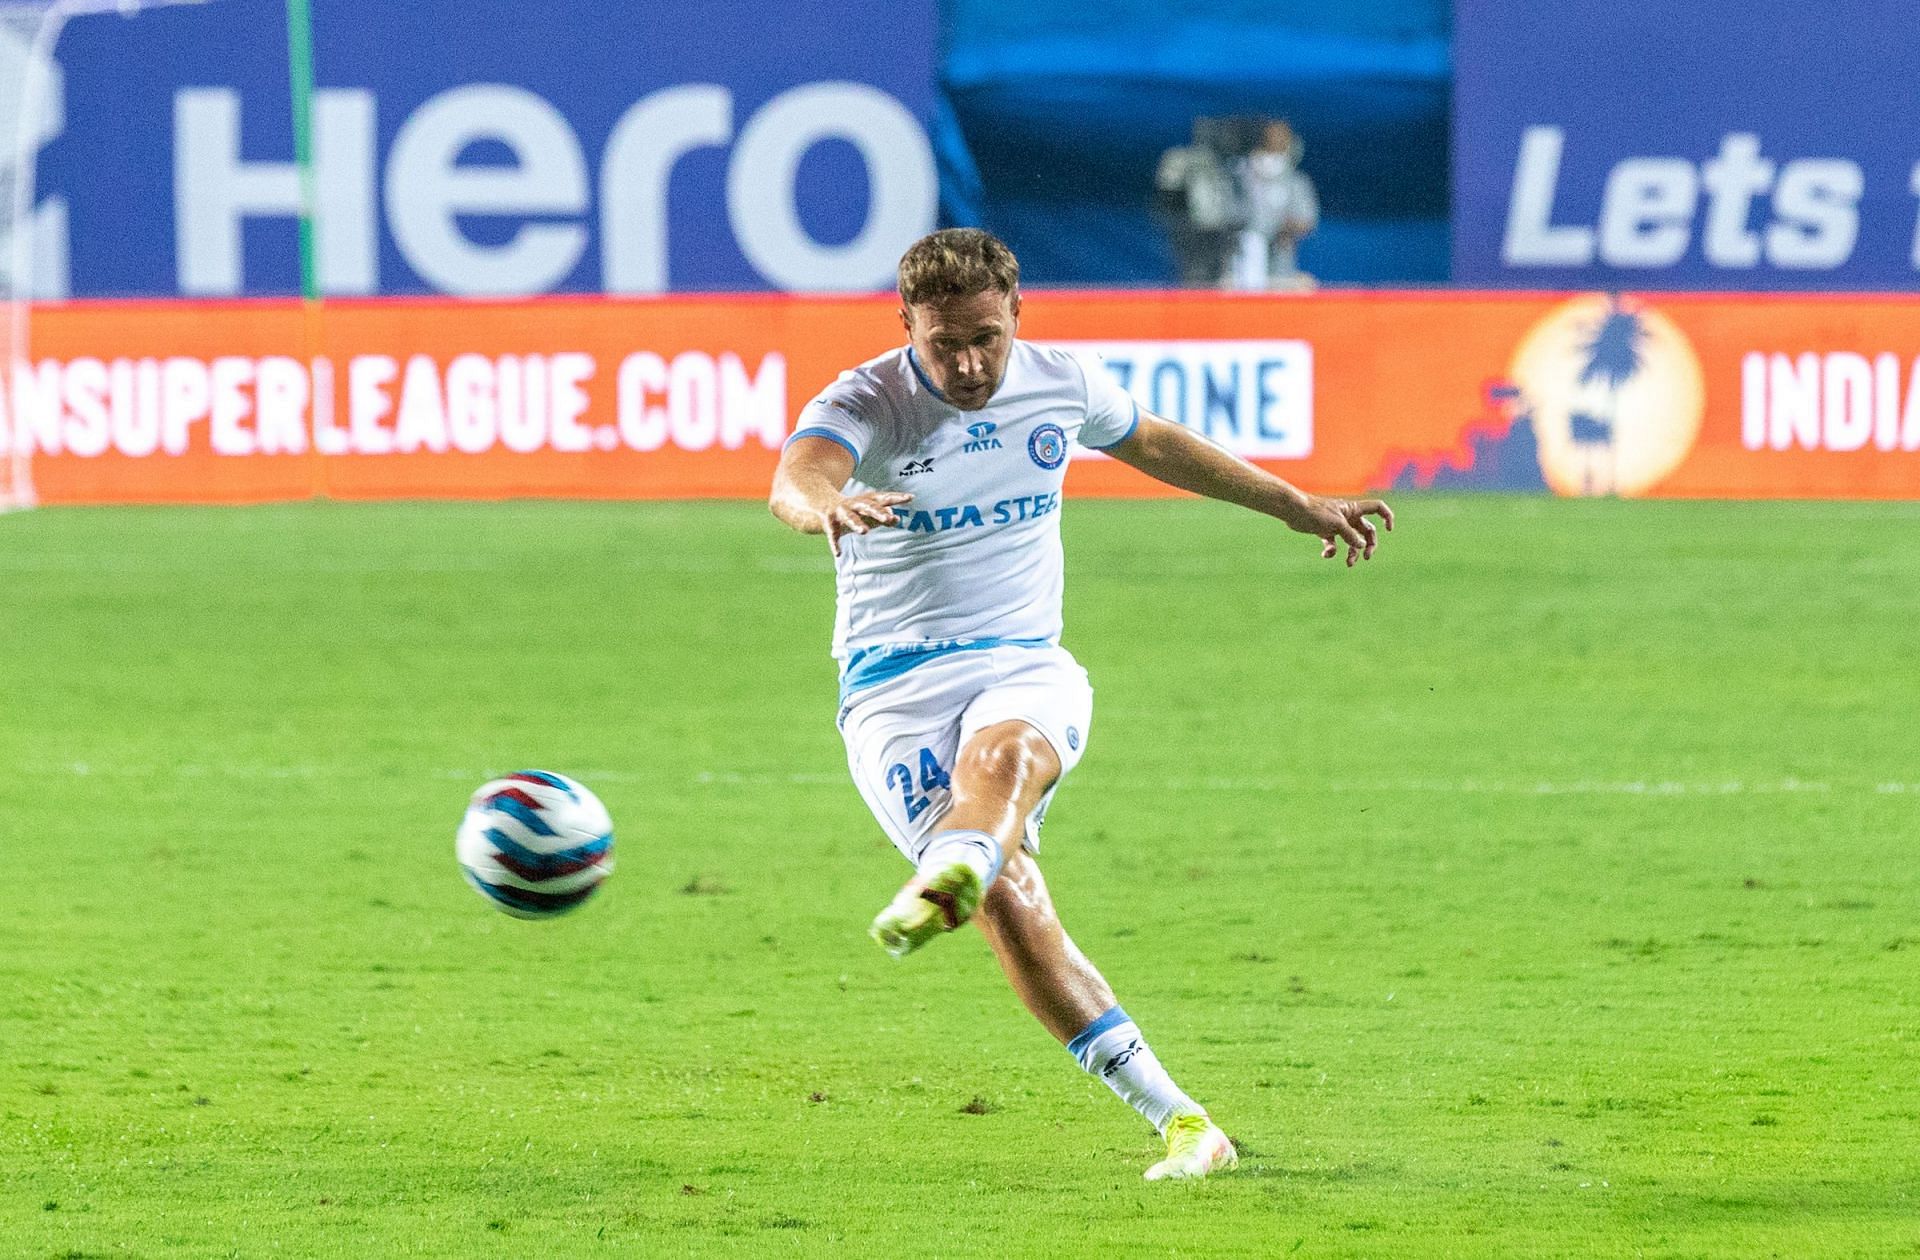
981 437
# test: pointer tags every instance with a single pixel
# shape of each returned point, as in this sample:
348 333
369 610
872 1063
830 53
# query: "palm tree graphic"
1614 357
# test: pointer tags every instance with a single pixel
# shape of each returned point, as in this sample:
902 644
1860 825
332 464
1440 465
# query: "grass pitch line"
1463 787
810 778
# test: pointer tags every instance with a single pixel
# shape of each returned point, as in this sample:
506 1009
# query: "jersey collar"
913 361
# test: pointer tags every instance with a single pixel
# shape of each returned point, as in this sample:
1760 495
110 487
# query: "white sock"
1112 1049
976 848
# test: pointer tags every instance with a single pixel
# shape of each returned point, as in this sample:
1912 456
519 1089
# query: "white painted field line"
247 770
1463 787
826 778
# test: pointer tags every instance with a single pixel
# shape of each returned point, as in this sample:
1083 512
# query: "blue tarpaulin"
1060 120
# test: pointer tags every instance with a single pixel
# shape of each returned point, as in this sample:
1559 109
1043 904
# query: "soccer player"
935 473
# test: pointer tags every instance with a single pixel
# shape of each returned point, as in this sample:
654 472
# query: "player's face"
963 343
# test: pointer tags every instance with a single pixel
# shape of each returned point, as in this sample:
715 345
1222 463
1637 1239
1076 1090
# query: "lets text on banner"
1686 144
1679 395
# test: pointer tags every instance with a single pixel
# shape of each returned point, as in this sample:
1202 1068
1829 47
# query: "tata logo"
980 437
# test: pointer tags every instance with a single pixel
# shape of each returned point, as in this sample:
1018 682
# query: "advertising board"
1686 144
489 147
1583 394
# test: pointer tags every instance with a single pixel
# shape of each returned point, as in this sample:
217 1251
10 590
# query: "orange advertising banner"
692 396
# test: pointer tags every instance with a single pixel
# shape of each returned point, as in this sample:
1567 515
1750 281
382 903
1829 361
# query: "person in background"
1197 200
1281 209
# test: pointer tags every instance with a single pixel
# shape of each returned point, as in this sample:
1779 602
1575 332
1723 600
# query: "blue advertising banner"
1686 144
492 147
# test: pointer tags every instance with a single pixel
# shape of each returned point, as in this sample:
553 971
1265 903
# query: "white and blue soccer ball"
535 844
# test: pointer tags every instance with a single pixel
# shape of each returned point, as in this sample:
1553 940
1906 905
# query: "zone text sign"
1253 397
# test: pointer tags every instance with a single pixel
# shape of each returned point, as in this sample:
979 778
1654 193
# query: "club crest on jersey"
914 467
980 437
1048 446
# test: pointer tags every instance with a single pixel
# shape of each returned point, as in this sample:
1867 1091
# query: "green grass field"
1546 888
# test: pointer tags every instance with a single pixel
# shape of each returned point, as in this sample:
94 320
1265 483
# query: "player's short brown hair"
957 263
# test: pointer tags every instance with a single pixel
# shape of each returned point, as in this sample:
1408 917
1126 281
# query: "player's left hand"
1336 521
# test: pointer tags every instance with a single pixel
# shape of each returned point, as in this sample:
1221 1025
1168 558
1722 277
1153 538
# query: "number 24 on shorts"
932 778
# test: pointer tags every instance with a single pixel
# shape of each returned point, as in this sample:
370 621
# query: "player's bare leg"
1057 982
1068 995
1002 774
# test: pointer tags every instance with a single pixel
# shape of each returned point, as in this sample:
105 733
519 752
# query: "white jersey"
976 561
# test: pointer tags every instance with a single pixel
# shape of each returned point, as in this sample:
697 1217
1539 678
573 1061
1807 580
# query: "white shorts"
904 734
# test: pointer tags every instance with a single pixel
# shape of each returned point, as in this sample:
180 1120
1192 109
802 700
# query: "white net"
33 230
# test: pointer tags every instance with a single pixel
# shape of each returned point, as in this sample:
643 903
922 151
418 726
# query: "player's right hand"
858 513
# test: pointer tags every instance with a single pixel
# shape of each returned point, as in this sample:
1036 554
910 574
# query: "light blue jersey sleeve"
841 413
1111 412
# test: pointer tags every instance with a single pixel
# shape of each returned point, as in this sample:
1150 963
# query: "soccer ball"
535 844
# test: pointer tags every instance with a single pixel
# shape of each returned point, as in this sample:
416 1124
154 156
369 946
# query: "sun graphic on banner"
1616 394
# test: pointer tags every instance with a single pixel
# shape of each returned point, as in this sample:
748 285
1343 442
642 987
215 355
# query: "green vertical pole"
300 75
300 82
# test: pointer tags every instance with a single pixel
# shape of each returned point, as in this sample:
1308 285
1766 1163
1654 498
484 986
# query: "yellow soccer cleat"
923 910
1195 1148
